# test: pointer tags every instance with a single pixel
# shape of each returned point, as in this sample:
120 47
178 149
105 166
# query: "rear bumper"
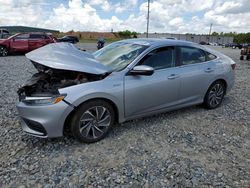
45 121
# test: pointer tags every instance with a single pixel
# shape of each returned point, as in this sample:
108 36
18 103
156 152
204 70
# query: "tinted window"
160 58
37 36
22 36
68 37
45 36
189 55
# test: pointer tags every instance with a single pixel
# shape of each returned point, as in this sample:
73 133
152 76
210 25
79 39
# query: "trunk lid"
65 56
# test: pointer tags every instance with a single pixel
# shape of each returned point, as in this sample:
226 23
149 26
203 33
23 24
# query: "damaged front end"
43 86
59 65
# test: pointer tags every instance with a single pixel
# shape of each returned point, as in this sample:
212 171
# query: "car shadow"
118 129
17 54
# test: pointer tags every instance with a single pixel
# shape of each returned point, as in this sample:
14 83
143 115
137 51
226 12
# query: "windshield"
12 36
118 55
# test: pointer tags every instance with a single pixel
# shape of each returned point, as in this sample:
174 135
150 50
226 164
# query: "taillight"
233 66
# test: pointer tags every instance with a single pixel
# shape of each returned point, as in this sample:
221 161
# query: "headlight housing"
44 100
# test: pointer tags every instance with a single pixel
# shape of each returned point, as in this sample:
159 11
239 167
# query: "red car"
24 42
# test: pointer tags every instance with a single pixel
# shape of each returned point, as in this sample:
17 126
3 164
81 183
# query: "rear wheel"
3 51
215 95
92 121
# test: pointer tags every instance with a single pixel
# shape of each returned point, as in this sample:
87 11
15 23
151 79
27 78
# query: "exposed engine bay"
47 81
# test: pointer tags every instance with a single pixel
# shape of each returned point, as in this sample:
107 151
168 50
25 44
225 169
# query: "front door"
20 43
144 94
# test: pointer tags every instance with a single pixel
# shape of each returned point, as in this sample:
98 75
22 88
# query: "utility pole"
210 29
148 17
210 32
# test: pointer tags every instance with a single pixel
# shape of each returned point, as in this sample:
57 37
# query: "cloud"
174 16
233 7
103 4
17 12
176 22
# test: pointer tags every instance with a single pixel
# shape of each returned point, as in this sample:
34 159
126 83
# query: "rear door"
145 94
20 43
37 41
196 73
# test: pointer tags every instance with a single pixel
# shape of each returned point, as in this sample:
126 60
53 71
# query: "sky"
166 16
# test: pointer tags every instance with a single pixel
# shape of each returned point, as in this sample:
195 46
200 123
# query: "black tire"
241 57
248 57
89 123
215 95
3 51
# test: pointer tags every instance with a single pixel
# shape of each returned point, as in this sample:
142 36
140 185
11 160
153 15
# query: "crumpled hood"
66 56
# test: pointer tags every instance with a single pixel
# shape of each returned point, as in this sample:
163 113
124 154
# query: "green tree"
215 34
238 37
126 34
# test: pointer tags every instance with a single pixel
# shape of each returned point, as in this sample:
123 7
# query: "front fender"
6 45
112 91
118 103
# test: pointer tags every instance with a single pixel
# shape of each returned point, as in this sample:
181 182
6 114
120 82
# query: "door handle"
209 70
173 76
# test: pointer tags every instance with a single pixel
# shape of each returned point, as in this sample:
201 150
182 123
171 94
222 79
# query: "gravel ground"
192 147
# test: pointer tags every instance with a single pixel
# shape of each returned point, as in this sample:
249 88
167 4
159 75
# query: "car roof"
40 33
160 42
156 42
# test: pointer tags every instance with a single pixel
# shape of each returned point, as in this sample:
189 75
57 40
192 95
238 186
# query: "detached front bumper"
45 121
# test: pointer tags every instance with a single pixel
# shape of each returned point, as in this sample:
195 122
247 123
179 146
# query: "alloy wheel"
216 95
94 122
3 51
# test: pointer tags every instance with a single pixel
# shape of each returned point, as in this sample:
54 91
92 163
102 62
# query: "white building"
190 37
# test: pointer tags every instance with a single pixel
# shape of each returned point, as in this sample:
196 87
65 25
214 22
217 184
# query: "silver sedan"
87 93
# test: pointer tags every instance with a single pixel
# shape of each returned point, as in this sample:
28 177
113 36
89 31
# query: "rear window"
191 55
38 36
22 36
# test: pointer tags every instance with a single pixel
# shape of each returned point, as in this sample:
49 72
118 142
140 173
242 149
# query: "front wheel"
3 51
92 121
215 95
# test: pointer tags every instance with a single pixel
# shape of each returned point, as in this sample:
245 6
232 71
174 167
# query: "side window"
45 37
190 55
36 36
210 56
160 58
22 36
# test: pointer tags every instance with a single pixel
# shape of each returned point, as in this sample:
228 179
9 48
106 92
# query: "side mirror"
142 70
